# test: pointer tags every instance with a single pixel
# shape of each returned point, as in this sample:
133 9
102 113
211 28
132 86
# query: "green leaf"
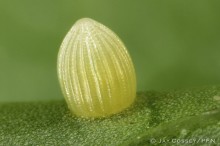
174 115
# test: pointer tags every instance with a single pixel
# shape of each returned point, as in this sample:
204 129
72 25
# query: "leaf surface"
172 115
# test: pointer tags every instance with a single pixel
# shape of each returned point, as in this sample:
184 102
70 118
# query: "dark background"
173 43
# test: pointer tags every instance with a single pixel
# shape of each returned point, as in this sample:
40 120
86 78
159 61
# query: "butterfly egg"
95 71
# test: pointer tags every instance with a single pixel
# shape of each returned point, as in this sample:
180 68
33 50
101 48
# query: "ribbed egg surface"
95 71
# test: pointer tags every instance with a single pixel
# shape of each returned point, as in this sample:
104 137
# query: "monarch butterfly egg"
95 71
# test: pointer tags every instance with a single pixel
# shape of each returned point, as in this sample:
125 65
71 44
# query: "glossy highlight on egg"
95 71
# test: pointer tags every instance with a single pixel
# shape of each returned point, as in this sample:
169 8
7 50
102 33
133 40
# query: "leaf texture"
178 114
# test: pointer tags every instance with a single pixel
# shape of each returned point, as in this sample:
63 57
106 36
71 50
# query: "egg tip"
85 20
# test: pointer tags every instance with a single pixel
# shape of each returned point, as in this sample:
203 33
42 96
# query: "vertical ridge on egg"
95 71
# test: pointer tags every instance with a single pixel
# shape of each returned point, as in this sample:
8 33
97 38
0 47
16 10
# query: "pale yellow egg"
95 71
